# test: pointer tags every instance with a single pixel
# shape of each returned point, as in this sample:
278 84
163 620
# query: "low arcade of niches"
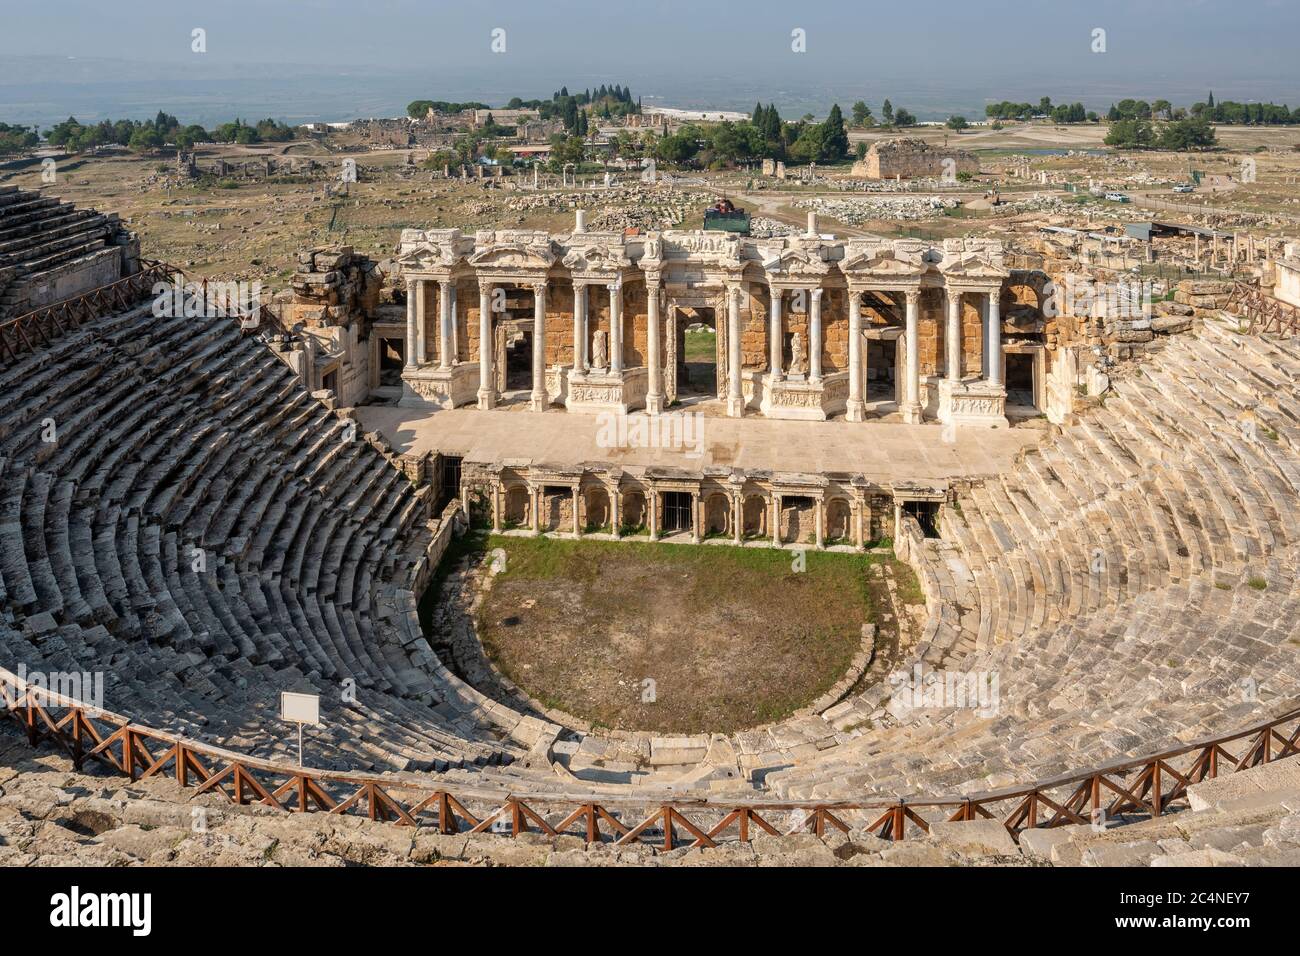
838 512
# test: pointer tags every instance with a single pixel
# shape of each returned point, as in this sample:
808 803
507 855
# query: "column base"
654 404
537 403
735 407
976 403
487 398
911 413
856 410
413 399
439 387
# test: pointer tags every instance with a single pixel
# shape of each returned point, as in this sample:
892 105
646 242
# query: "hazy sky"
933 55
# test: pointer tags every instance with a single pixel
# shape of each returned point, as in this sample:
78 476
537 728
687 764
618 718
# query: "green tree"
861 114
957 123
887 113
1196 133
145 139
679 148
16 139
1130 134
187 137
809 146
834 138
565 150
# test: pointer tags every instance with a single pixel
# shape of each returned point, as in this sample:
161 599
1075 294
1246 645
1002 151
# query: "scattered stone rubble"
761 227
854 212
616 208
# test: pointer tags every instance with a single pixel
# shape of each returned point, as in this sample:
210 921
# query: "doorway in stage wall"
881 357
392 359
698 368
519 360
1020 379
926 514
448 482
677 511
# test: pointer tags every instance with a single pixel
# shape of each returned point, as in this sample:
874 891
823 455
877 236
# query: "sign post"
301 709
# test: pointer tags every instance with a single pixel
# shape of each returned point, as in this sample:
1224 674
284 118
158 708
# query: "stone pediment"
424 258
973 266
795 263
602 259
883 260
718 248
421 250
514 256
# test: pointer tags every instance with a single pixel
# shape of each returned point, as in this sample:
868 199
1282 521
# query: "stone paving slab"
885 452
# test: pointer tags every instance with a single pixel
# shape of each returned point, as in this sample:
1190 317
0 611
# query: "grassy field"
731 637
701 345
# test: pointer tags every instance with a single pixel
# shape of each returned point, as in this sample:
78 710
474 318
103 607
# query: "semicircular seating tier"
1131 582
206 534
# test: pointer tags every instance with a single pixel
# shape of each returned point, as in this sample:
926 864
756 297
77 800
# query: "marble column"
776 520
538 400
775 337
487 395
857 409
819 521
496 507
995 338
815 337
614 516
984 338
535 509
446 357
697 530
653 501
421 338
912 392
455 327
577 527
735 401
654 399
580 327
952 344
737 518
410 323
616 328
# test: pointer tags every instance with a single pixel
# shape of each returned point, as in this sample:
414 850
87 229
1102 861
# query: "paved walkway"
884 452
